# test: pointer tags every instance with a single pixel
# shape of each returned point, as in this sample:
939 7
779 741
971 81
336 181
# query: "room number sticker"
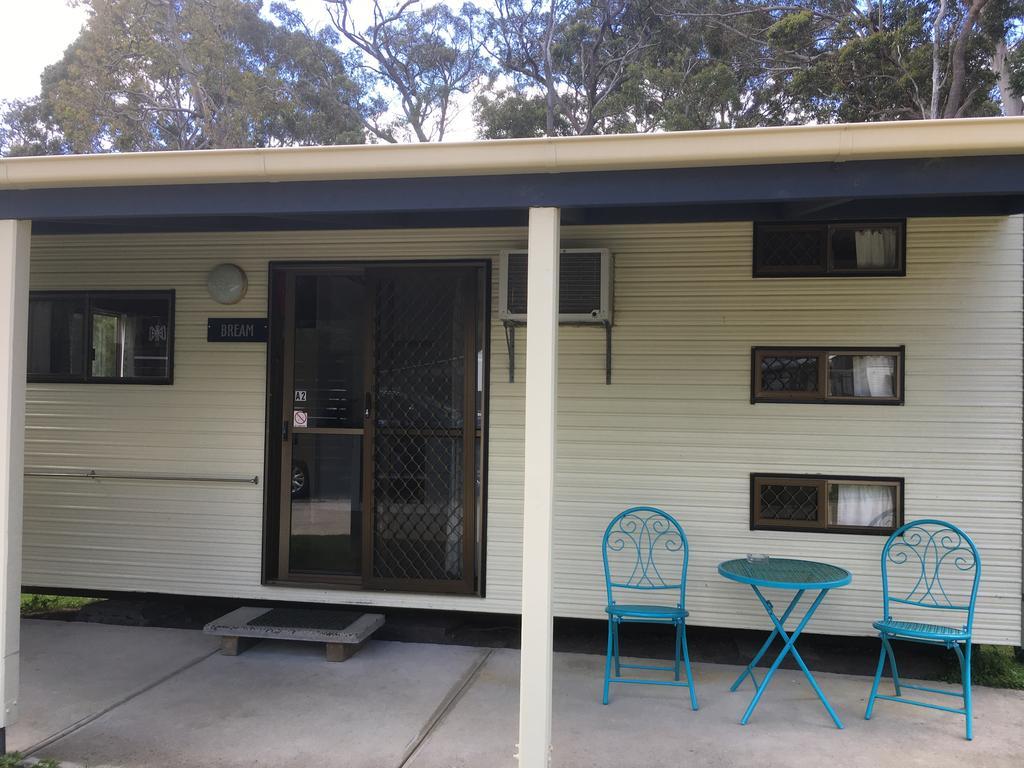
300 395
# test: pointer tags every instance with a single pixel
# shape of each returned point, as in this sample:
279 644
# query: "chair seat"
917 629
647 611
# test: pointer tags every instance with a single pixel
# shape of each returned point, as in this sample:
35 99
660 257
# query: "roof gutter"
747 146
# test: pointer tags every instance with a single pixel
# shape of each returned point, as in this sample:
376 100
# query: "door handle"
284 430
368 403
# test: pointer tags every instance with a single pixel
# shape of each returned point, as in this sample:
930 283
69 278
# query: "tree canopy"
186 74
194 74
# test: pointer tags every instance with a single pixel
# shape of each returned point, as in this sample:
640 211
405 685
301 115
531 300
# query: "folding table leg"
767 643
790 648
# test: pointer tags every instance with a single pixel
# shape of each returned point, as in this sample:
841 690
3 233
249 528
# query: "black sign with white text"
236 329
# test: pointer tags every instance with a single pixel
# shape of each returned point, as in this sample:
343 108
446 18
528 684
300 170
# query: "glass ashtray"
757 557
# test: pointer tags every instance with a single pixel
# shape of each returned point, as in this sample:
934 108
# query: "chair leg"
678 644
965 667
689 671
892 663
878 677
615 636
607 664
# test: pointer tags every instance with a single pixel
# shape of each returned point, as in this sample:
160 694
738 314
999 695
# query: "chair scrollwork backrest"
938 565
646 545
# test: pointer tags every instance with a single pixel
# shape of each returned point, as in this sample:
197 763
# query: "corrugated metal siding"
674 429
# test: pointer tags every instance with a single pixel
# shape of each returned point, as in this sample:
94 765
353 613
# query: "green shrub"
993 665
17 760
33 605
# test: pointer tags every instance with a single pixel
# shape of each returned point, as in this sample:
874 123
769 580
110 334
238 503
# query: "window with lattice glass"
826 249
825 503
827 375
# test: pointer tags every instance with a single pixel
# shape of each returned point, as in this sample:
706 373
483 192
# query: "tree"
856 60
578 56
424 56
510 114
1003 24
185 74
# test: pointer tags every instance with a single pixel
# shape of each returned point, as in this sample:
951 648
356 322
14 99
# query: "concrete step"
342 632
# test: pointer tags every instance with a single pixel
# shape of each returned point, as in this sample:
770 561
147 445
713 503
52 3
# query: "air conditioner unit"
584 286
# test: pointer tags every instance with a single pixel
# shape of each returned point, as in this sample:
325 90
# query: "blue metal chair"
923 554
645 545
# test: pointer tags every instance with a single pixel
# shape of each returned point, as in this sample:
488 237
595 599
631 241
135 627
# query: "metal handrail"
92 474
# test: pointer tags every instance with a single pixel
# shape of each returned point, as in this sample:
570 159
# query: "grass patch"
35 605
17 760
997 666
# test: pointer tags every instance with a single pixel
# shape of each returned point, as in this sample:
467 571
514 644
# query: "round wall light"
227 284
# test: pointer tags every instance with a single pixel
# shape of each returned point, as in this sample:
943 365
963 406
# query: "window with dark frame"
101 337
831 375
830 249
827 504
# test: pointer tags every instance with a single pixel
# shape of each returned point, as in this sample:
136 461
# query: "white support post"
539 491
14 255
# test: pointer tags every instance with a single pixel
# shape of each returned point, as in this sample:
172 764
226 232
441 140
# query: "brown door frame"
281 456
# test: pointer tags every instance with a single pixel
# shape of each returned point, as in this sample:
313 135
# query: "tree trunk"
958 58
208 137
937 59
1013 103
549 75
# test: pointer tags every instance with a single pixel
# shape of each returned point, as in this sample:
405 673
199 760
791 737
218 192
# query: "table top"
785 573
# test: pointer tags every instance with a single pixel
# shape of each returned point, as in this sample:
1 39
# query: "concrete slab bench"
342 632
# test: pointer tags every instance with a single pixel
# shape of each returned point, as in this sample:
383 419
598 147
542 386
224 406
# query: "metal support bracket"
510 344
607 352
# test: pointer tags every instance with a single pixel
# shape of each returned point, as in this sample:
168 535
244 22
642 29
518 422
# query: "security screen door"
380 425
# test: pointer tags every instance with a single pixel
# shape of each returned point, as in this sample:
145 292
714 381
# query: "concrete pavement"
125 696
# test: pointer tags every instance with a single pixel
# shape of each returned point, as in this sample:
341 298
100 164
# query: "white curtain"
873 376
876 248
866 505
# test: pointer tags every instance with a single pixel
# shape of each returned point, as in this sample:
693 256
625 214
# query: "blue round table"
782 573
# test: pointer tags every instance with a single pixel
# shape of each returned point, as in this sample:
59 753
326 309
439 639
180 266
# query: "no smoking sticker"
300 418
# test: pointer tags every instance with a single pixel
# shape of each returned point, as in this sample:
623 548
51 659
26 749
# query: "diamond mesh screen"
791 249
797 503
789 374
420 342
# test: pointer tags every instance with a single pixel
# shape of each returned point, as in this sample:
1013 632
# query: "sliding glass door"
380 416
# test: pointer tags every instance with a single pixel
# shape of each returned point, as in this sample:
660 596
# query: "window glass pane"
56 336
791 249
860 504
862 375
784 373
329 343
106 356
130 337
870 248
794 503
326 500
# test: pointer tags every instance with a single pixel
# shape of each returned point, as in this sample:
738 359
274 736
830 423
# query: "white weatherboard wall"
675 428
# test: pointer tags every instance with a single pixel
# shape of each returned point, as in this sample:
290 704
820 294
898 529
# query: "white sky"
34 33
